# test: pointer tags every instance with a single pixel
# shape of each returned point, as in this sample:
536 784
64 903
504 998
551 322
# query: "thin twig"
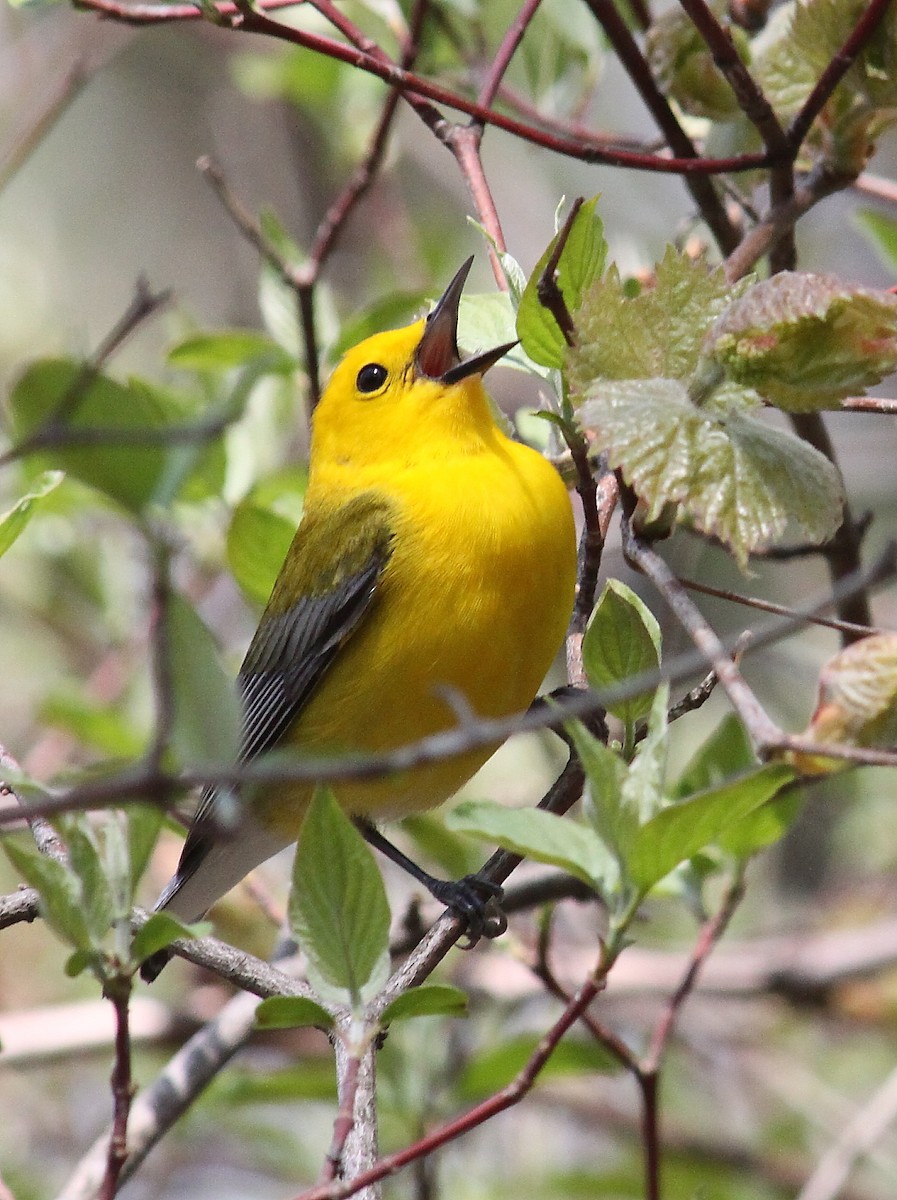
416 86
118 992
702 189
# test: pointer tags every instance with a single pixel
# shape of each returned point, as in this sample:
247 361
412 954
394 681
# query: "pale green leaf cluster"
735 477
799 42
805 341
649 378
684 68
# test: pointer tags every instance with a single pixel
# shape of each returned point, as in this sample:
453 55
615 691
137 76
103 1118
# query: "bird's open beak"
437 354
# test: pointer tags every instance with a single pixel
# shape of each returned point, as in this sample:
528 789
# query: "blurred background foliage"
757 1085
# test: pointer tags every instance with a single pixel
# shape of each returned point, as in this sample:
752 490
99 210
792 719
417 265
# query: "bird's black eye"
371 378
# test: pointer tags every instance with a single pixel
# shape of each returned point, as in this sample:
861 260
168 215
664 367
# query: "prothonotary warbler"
436 558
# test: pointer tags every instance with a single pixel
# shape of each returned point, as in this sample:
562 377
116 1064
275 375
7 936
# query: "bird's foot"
475 900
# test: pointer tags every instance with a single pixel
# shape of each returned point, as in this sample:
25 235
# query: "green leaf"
806 341
547 838
160 930
622 640
680 831
764 826
14 520
494 1069
59 889
291 1012
581 262
643 785
145 823
64 393
82 960
428 1000
205 708
489 320
338 909
261 531
882 232
102 727
454 853
726 751
225 350
735 478
613 821
657 333
96 889
683 65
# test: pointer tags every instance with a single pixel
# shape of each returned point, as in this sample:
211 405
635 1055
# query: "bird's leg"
594 722
473 898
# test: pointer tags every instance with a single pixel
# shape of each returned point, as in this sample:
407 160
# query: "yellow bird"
435 557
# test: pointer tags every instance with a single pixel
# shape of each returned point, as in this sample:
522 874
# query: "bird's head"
407 395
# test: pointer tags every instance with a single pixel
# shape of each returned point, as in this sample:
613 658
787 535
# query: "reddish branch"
411 85
118 991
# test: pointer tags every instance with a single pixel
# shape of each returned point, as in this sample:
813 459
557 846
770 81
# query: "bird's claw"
478 902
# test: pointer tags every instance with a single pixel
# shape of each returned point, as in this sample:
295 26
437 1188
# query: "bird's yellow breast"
472 605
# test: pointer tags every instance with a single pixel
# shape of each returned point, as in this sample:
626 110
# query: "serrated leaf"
291 1012
338 909
680 831
581 262
656 333
428 1000
261 530
227 349
14 520
59 889
159 931
205 709
547 838
622 640
806 341
735 478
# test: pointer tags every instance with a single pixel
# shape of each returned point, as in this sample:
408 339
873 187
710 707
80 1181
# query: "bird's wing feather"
328 583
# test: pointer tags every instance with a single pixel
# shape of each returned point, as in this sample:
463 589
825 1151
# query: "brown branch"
758 111
118 992
836 70
781 610
477 1116
343 1122
780 219
416 86
41 124
633 61
842 552
764 732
